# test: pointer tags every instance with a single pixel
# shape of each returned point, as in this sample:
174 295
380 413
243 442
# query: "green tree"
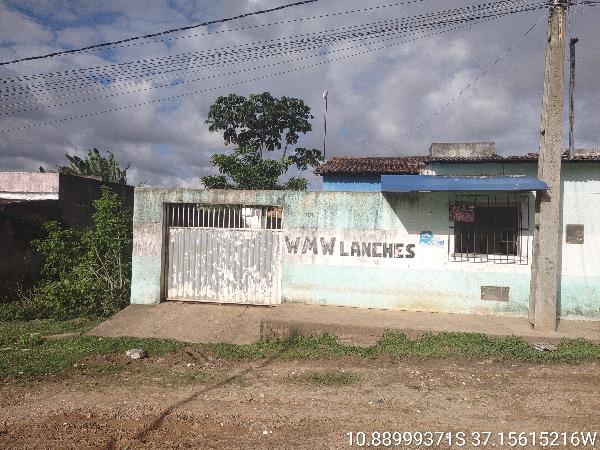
245 169
95 164
88 272
254 125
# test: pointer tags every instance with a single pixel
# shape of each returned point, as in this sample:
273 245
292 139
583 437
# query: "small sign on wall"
574 234
428 238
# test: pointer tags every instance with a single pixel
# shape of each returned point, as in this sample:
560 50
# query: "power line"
281 48
176 83
156 61
186 94
145 89
283 22
359 37
152 61
468 86
161 33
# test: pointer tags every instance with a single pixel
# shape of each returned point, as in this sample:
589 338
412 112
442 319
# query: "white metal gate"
225 254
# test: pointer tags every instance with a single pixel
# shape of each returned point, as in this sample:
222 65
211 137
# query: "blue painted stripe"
429 183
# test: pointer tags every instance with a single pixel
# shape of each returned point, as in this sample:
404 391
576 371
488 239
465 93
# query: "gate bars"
236 217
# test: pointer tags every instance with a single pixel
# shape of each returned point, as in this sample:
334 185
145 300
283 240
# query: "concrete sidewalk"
239 324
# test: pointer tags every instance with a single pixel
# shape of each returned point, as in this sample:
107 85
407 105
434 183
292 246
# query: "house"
27 200
451 231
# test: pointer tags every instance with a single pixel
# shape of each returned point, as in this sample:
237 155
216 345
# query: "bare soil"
189 400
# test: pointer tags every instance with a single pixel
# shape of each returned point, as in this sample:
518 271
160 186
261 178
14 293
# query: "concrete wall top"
360 210
462 150
29 185
352 182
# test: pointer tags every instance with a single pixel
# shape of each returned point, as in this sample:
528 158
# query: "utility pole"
545 265
572 43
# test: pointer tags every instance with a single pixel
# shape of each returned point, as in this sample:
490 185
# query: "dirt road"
188 401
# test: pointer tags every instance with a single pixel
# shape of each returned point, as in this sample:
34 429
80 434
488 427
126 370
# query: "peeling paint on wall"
316 268
223 265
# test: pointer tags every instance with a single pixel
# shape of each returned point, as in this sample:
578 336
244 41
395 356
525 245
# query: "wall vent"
574 234
495 293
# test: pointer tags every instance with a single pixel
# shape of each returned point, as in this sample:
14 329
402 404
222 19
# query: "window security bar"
494 230
238 217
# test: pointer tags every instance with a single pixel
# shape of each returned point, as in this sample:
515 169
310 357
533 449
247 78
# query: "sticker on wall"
427 238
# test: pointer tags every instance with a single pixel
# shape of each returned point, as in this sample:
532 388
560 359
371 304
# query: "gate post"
147 269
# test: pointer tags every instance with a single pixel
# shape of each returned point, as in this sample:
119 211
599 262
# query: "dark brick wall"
77 194
21 222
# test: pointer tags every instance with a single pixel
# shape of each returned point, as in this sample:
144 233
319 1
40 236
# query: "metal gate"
224 253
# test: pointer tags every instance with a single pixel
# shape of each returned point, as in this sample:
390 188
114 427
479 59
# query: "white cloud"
375 98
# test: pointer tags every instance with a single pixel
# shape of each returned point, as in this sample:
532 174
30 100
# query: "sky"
386 101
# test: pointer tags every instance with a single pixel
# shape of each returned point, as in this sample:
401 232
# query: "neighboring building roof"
387 165
412 165
581 155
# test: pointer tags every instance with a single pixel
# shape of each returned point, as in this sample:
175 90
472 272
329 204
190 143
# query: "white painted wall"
580 264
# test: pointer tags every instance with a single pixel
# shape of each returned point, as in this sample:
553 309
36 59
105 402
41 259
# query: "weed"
19 357
24 351
442 345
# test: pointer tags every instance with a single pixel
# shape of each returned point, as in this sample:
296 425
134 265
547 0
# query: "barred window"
490 228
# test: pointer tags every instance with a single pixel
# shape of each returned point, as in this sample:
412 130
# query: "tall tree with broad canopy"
255 125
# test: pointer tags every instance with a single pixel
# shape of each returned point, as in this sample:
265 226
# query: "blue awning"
430 183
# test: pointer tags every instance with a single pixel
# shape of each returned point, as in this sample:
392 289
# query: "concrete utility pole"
572 43
546 238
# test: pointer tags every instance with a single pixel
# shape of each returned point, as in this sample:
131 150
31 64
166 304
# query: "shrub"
88 272
23 305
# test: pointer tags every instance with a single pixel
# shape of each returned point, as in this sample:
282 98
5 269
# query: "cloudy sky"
385 101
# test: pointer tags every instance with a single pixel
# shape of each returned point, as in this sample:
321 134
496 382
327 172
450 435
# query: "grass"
334 378
442 345
12 332
24 351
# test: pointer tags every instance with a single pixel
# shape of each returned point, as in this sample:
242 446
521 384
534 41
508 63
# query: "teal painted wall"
430 281
413 290
579 296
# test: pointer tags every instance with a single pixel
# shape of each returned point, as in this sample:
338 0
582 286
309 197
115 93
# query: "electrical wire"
479 76
153 61
302 45
283 22
227 85
107 69
148 88
161 33
177 82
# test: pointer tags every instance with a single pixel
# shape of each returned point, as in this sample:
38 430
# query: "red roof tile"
385 165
